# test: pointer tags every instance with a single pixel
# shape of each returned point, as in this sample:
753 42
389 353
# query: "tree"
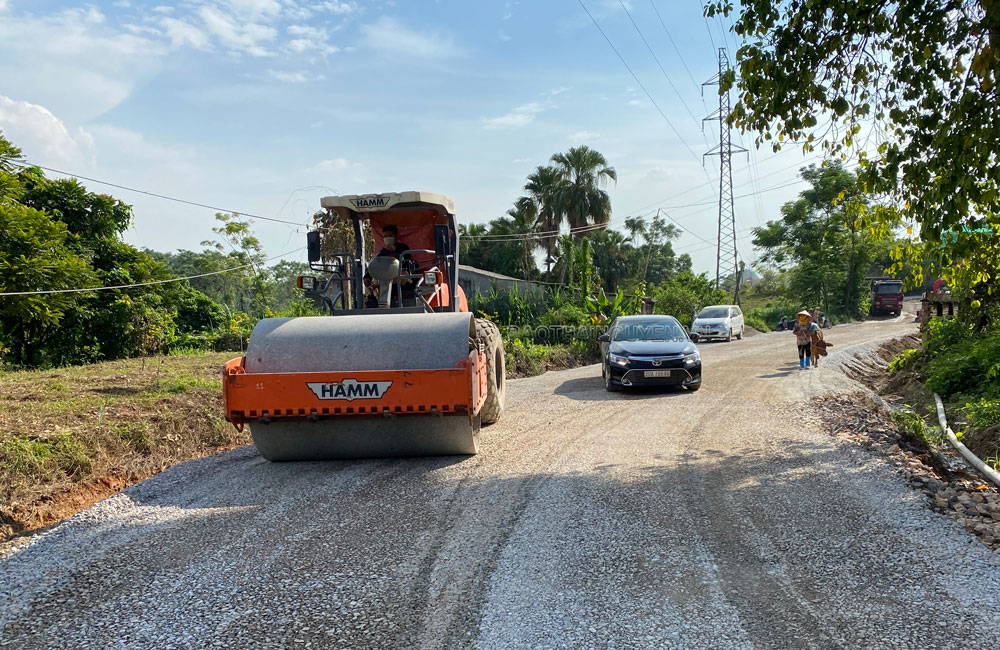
94 218
822 236
660 262
584 172
543 187
56 235
685 293
524 222
616 262
470 244
245 249
910 88
35 255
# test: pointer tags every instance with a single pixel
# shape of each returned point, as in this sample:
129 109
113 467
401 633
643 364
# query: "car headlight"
617 359
694 357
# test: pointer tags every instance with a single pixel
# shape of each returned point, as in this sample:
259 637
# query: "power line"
657 59
676 49
147 284
521 236
697 187
627 67
27 165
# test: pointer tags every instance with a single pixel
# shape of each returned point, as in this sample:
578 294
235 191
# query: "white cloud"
73 62
338 8
247 37
502 35
581 136
42 136
521 116
255 9
388 36
163 9
293 77
309 40
183 33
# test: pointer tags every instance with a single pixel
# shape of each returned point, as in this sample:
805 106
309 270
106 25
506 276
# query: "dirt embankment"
72 436
920 455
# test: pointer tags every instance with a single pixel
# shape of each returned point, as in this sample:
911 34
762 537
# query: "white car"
718 322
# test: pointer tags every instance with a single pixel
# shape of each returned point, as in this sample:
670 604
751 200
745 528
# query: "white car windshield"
714 312
648 331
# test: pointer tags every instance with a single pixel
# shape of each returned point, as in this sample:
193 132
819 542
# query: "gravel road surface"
724 518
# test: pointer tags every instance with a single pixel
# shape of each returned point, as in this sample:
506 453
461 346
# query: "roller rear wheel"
489 335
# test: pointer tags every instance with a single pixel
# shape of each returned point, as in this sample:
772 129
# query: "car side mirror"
604 338
313 246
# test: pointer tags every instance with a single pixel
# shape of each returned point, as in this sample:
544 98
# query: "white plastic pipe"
988 471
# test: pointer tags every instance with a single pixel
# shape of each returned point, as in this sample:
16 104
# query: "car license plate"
657 373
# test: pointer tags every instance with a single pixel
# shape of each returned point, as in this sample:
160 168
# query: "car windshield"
648 331
714 312
889 288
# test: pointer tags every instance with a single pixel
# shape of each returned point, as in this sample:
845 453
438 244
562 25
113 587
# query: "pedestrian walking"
803 330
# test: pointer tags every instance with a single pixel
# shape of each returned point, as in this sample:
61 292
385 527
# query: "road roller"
397 366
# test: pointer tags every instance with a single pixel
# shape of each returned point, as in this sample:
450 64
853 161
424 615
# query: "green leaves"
893 78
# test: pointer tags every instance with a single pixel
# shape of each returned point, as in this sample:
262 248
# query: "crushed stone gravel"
726 518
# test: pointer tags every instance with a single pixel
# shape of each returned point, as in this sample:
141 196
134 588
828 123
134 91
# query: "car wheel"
694 387
608 384
739 337
729 335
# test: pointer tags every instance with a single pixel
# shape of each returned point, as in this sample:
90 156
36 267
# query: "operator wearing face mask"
392 248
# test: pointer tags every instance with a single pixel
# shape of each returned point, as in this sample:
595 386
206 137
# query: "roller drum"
359 343
362 342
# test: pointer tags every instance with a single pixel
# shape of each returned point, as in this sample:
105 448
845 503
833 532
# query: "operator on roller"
392 248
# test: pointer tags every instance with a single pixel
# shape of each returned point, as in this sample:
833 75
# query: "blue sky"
264 106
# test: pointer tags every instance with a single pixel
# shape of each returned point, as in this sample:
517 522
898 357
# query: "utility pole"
726 254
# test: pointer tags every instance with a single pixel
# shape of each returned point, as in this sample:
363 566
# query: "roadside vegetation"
74 435
961 363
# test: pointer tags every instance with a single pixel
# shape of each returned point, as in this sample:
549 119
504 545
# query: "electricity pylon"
726 254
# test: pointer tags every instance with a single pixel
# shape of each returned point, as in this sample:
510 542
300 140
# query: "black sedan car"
649 350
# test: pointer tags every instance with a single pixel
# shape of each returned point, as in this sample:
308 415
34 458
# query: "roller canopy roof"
389 201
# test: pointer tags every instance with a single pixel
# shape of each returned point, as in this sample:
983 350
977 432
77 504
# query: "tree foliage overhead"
909 87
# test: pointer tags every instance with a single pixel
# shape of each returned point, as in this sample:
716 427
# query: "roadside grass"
964 368
527 359
71 436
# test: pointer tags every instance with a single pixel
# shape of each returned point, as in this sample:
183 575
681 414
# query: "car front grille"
649 363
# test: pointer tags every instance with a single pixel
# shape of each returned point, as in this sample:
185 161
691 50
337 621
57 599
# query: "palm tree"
584 172
525 220
543 187
469 243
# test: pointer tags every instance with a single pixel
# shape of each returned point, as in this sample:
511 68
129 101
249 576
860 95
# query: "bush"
907 421
756 323
526 359
968 365
904 359
771 313
983 413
